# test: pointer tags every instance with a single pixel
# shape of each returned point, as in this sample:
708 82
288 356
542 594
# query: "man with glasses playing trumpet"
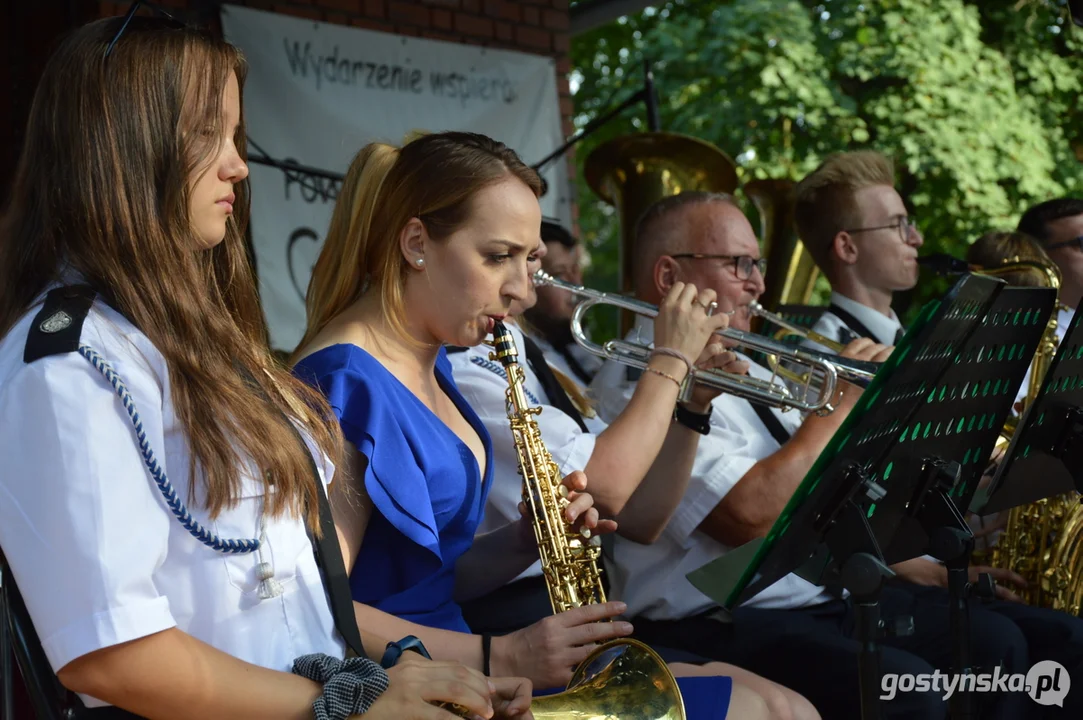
747 466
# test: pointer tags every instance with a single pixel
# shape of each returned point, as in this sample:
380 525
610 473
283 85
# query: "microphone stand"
645 94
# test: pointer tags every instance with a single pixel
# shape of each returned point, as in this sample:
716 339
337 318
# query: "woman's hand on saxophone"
418 685
548 651
580 511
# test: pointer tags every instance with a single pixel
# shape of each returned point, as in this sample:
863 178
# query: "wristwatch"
396 649
701 423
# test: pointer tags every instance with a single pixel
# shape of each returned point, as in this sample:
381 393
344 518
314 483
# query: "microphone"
943 264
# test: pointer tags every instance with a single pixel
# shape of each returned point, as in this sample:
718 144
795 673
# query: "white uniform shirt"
98 556
483 383
651 579
882 327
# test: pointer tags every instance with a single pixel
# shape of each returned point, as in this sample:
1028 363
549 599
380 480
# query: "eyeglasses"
136 4
903 225
1077 242
742 264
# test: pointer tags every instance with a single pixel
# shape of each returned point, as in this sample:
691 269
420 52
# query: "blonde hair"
825 202
1002 247
433 178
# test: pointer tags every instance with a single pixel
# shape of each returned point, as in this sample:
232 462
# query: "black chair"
21 654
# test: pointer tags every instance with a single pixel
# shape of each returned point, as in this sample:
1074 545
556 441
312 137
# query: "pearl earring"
420 262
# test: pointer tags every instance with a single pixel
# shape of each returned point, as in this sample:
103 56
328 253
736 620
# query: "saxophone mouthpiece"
503 346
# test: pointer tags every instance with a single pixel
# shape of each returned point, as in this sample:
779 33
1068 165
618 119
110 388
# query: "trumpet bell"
622 680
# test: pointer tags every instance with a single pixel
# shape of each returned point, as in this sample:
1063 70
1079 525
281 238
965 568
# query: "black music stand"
980 388
1045 457
885 456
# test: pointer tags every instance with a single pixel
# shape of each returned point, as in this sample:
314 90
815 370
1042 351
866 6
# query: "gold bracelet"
665 375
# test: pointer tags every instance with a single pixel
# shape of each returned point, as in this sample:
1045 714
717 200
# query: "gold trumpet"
812 394
861 372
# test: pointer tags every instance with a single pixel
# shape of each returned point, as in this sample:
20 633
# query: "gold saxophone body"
623 679
1042 541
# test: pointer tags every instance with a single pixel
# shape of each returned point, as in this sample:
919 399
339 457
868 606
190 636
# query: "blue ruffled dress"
428 497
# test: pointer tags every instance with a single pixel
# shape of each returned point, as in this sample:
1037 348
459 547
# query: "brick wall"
539 27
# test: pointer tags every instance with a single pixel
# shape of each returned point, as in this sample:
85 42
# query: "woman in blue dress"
429 246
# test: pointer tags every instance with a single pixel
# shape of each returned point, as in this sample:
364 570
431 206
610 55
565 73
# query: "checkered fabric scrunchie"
350 686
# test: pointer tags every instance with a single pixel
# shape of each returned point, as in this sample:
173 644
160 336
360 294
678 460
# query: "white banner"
316 93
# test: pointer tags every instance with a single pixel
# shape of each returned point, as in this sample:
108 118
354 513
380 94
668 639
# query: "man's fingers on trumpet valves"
686 320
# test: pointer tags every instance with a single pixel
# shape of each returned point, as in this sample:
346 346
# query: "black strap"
574 364
773 424
328 554
852 324
554 391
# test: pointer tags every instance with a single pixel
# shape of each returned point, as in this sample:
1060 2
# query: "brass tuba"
632 172
623 679
791 271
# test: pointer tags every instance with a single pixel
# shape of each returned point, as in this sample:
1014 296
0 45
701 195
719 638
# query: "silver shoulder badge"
56 322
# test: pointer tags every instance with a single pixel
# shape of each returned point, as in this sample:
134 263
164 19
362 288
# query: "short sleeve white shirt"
651 579
483 383
97 555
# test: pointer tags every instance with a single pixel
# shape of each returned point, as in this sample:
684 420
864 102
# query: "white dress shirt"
483 383
98 556
882 327
651 579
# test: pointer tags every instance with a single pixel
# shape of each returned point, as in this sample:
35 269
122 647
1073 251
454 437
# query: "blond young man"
857 229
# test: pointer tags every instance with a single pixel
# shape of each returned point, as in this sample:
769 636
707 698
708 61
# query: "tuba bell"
632 172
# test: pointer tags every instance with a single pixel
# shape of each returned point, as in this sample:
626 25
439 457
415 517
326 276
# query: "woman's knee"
747 704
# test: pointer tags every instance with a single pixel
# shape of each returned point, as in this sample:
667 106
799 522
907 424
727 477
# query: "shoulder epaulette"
58 326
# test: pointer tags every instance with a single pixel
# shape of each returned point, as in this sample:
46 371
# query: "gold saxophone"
1042 541
623 679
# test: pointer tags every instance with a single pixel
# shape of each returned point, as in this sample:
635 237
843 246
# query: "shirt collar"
879 324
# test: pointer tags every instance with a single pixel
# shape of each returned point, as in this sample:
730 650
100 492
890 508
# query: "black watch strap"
395 650
701 423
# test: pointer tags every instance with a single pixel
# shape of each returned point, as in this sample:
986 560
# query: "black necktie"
576 367
772 423
554 391
855 326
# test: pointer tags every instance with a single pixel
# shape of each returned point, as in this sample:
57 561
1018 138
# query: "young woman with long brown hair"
161 472
430 245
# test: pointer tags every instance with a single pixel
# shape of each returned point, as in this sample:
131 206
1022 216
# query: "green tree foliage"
977 102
